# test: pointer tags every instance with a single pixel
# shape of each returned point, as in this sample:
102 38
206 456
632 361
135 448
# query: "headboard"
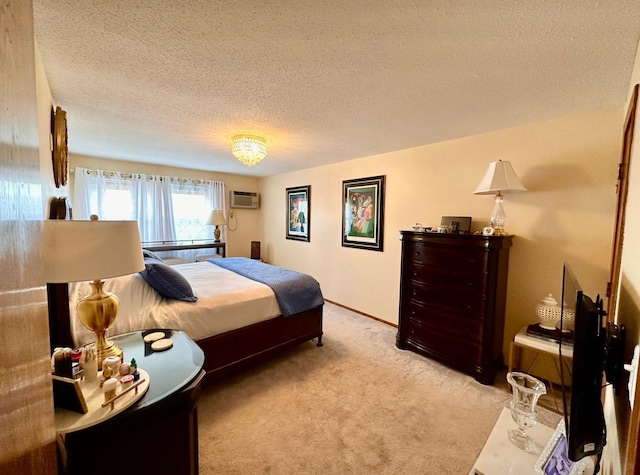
58 294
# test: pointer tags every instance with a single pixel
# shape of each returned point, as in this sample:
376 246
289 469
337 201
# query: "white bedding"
226 301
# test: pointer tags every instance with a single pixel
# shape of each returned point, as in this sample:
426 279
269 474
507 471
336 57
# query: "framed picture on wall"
299 213
363 213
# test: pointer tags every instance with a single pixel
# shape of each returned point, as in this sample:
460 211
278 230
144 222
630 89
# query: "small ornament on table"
125 369
106 374
109 388
61 362
112 362
126 380
89 363
134 370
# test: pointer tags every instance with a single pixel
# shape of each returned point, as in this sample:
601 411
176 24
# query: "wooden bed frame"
224 353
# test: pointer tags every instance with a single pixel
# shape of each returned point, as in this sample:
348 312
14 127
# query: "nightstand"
546 359
158 434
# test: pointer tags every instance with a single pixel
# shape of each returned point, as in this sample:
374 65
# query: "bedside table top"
168 372
545 346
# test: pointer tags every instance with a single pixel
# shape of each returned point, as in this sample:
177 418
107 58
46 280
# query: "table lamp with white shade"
79 251
498 180
216 218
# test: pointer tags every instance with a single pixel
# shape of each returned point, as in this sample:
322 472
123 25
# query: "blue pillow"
152 255
167 281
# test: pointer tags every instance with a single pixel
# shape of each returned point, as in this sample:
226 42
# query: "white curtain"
153 208
216 197
88 191
114 195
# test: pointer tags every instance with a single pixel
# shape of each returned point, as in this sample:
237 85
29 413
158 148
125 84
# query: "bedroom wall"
569 166
242 229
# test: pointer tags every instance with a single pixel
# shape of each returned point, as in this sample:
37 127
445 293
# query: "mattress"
226 301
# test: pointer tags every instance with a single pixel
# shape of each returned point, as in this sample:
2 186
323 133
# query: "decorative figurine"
134 370
109 388
106 374
125 369
89 363
126 381
62 364
112 362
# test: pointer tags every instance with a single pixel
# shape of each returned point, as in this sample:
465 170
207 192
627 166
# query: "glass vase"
526 392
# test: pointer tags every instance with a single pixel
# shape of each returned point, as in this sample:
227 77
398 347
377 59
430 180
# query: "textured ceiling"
324 80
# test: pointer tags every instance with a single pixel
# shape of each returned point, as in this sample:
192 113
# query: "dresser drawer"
448 348
455 259
446 279
441 321
466 304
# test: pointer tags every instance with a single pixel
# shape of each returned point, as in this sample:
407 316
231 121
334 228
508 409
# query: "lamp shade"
499 178
216 218
77 251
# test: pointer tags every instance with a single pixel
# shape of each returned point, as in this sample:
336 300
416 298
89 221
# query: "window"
117 204
167 209
190 212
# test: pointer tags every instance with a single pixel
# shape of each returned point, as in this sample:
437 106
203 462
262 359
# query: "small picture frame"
67 394
554 459
363 213
299 213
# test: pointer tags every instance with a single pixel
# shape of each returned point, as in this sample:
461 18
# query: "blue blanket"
295 291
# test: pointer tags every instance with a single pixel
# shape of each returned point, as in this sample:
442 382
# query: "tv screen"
584 418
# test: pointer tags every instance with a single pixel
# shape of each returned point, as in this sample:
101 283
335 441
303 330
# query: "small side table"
158 434
547 354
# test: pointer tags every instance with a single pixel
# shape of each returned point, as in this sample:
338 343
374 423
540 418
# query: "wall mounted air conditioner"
244 199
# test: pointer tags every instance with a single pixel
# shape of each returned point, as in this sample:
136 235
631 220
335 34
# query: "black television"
597 351
584 417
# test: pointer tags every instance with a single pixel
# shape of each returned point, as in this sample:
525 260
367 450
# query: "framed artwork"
554 459
68 395
363 213
299 213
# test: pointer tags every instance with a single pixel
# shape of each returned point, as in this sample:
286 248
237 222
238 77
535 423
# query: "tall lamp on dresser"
453 291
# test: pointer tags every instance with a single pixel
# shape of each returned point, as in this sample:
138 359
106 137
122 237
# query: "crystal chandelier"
249 149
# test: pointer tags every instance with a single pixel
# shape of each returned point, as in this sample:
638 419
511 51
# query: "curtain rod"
90 170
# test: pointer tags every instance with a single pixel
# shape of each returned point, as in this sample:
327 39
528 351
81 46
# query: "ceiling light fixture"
249 149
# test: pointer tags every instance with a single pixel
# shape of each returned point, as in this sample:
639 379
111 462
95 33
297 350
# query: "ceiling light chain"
249 149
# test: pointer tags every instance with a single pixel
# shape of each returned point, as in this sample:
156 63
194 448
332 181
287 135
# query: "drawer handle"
414 293
469 284
415 274
417 253
413 312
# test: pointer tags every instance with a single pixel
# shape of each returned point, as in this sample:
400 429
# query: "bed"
236 320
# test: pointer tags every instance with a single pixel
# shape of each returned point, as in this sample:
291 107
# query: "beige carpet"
357 405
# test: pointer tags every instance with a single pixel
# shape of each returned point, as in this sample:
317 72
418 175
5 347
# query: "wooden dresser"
452 299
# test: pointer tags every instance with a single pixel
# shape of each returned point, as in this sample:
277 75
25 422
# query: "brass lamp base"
216 234
106 348
97 312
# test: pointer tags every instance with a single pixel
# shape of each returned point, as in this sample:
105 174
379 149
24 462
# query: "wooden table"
546 358
158 246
